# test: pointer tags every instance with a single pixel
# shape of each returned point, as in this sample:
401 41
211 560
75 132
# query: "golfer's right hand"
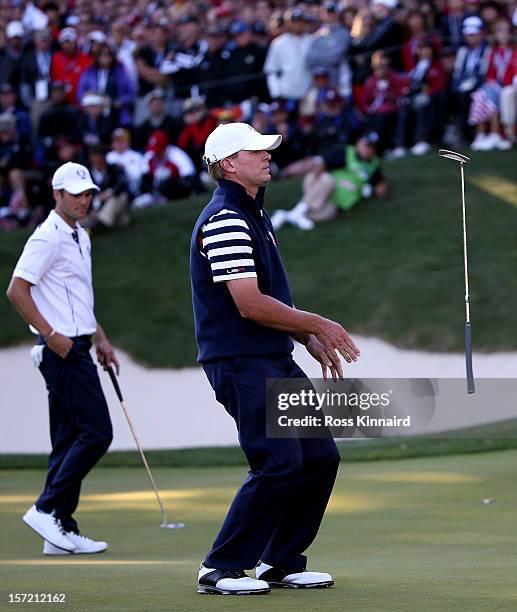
60 345
336 340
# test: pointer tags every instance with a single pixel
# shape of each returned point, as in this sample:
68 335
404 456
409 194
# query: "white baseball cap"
67 34
471 25
231 138
14 29
73 178
391 4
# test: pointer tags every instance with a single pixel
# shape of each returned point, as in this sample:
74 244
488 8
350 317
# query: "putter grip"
115 383
468 358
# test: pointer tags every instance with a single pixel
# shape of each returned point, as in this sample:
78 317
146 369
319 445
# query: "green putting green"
408 535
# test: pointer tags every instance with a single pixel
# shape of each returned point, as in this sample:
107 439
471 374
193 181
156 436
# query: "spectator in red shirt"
198 126
421 107
418 33
381 98
69 63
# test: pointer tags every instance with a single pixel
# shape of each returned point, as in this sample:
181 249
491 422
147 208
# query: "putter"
463 159
165 524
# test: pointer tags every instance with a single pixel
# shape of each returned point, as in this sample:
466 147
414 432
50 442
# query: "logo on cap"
81 173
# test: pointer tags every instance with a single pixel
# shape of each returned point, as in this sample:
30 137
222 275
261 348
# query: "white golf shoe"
83 546
228 582
277 578
49 528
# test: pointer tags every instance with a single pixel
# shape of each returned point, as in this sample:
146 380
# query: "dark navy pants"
80 427
276 513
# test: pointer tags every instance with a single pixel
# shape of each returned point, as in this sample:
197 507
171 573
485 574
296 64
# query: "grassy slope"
398 536
390 269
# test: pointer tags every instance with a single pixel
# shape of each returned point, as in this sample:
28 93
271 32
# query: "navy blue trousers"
80 427
276 513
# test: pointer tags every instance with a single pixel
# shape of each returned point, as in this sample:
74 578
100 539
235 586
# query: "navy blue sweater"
221 331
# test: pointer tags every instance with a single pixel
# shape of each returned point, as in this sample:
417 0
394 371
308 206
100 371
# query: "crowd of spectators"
132 88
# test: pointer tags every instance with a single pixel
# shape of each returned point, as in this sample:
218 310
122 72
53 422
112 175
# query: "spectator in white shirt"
286 63
130 160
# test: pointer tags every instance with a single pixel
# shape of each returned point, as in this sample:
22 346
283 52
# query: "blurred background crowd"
132 88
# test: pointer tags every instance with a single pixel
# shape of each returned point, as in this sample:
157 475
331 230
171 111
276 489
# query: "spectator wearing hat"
335 181
312 102
489 106
214 67
294 142
107 77
288 76
198 126
157 119
329 48
110 204
9 104
168 173
131 161
421 107
244 69
181 63
470 70
94 41
95 126
387 33
381 98
11 57
69 63
337 122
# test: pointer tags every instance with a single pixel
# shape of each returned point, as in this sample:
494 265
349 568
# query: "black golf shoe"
277 577
229 582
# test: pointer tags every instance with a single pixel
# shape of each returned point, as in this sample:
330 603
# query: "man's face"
251 168
7 99
74 207
156 106
365 149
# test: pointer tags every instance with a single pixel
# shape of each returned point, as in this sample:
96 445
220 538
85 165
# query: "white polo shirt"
60 270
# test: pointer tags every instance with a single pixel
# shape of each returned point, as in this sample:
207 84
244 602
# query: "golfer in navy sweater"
245 321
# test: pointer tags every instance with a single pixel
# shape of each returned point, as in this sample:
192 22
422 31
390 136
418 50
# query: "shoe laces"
235 573
59 526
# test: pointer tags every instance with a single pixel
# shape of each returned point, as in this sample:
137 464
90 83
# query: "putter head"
459 157
172 525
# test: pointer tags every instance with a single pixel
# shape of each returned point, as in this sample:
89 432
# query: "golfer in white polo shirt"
52 290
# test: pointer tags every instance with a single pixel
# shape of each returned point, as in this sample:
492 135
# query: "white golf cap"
14 29
472 25
391 4
231 138
97 36
73 178
92 99
67 34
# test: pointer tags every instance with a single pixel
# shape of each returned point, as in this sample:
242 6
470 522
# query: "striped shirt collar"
239 192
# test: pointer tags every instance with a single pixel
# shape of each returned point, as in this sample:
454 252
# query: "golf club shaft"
137 442
468 326
465 260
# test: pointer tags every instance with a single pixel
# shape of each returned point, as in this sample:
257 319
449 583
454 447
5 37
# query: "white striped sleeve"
226 241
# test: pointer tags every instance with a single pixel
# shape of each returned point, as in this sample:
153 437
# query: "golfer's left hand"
318 351
106 355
